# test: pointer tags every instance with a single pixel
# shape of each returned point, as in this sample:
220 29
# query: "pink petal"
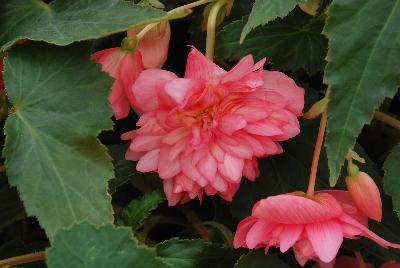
149 161
231 168
130 67
243 67
367 232
199 67
236 147
118 100
145 143
259 233
230 123
279 82
154 46
293 209
191 171
172 198
219 183
146 88
250 169
263 129
132 155
180 88
242 230
325 238
208 167
289 235
109 59
175 135
217 152
167 168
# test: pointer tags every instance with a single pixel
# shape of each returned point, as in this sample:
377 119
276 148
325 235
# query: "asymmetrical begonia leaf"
137 211
65 21
51 150
290 43
258 258
361 70
84 245
266 11
392 177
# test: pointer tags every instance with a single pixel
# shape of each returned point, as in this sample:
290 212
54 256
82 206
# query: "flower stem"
211 27
27 258
360 260
181 9
196 222
387 119
317 152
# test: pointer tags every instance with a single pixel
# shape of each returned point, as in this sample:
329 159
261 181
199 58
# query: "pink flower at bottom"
124 67
203 132
314 228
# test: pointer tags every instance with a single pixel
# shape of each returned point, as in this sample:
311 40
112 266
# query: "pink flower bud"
365 195
154 45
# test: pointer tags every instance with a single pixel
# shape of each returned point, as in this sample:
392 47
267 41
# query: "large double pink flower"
315 228
203 132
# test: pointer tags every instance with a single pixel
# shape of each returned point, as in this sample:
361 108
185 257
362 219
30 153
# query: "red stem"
317 152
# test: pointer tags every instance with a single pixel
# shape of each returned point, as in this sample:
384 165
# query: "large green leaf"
52 154
139 209
258 258
84 245
362 69
193 253
11 208
264 11
392 177
290 43
65 21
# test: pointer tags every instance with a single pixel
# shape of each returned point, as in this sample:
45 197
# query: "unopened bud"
365 194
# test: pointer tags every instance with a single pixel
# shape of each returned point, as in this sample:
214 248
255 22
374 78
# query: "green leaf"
84 245
51 150
187 253
63 22
266 11
289 44
258 258
123 168
11 208
361 71
139 209
392 177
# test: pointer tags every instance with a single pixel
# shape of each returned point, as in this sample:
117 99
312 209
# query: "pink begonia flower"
154 45
365 195
203 132
125 66
315 228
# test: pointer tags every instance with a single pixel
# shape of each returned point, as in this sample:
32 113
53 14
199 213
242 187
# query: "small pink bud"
365 195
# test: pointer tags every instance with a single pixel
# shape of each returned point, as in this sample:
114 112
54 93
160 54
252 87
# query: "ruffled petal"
199 67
